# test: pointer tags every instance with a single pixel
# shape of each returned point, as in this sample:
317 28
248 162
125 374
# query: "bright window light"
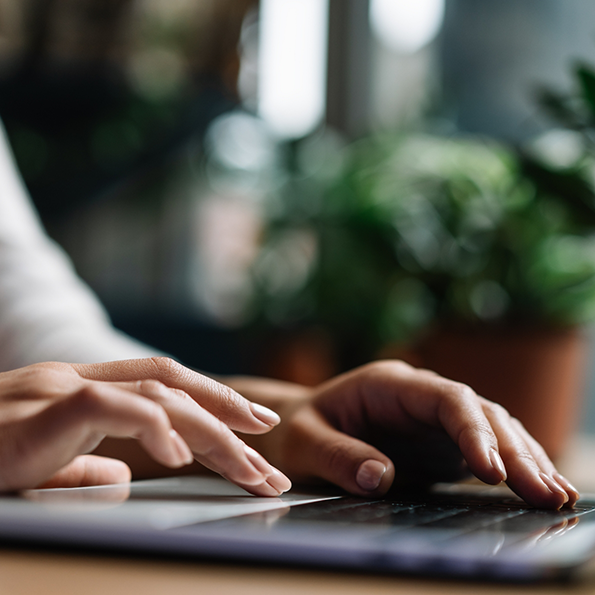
292 65
406 26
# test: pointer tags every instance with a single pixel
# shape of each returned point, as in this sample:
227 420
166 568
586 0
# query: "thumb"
89 470
324 452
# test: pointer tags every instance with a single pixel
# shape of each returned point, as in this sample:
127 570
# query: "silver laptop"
456 530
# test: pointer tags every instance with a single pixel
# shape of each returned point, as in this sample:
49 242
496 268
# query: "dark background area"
107 101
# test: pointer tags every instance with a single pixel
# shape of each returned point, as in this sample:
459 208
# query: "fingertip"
264 490
369 475
546 500
540 490
573 493
120 472
89 470
555 488
489 467
279 481
374 477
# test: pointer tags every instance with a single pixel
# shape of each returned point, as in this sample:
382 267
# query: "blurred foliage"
382 238
94 94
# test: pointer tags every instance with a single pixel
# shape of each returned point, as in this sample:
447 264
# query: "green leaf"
586 78
567 185
557 106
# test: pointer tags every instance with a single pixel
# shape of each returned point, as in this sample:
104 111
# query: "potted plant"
463 255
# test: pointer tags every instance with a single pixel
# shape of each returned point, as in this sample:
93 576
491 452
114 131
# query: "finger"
399 397
89 470
320 451
33 449
223 402
545 464
481 440
275 483
212 443
525 475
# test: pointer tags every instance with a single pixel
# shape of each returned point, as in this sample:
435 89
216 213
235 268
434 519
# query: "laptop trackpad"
160 503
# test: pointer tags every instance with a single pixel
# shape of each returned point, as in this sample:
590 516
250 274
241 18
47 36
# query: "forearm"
274 394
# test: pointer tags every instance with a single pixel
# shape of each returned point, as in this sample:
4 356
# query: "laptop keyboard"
452 513
454 531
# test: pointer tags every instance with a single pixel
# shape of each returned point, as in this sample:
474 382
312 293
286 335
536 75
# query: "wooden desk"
31 573
26 573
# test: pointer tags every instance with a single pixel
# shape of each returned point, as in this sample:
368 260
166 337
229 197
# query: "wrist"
274 394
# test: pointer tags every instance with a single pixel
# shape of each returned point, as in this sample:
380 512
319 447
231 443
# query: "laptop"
454 530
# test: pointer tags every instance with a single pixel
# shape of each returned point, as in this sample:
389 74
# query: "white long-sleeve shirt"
46 312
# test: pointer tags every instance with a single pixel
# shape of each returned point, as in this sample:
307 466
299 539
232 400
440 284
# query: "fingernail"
498 463
554 487
279 481
573 492
183 454
264 414
369 475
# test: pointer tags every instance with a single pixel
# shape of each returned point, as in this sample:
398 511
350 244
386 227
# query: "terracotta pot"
307 357
537 374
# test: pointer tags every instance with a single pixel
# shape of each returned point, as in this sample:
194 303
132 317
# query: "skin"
381 426
53 414
421 427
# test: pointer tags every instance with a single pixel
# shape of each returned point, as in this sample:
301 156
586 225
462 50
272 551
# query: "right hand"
52 414
389 424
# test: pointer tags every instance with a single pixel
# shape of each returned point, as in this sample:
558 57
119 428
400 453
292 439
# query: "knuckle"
469 434
44 380
178 396
51 367
428 372
41 376
524 456
230 398
387 367
457 391
160 392
87 401
517 423
166 367
227 399
496 410
154 414
220 435
151 387
221 432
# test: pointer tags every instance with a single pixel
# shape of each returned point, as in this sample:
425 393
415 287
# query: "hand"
388 423
51 413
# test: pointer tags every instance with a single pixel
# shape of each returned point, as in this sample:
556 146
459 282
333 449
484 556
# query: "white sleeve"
46 312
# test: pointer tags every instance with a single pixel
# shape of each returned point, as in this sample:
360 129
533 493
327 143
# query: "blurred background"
168 143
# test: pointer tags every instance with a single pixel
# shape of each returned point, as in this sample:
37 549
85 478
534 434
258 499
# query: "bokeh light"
406 26
292 59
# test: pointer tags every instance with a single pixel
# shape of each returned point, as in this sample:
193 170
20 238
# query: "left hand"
53 414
